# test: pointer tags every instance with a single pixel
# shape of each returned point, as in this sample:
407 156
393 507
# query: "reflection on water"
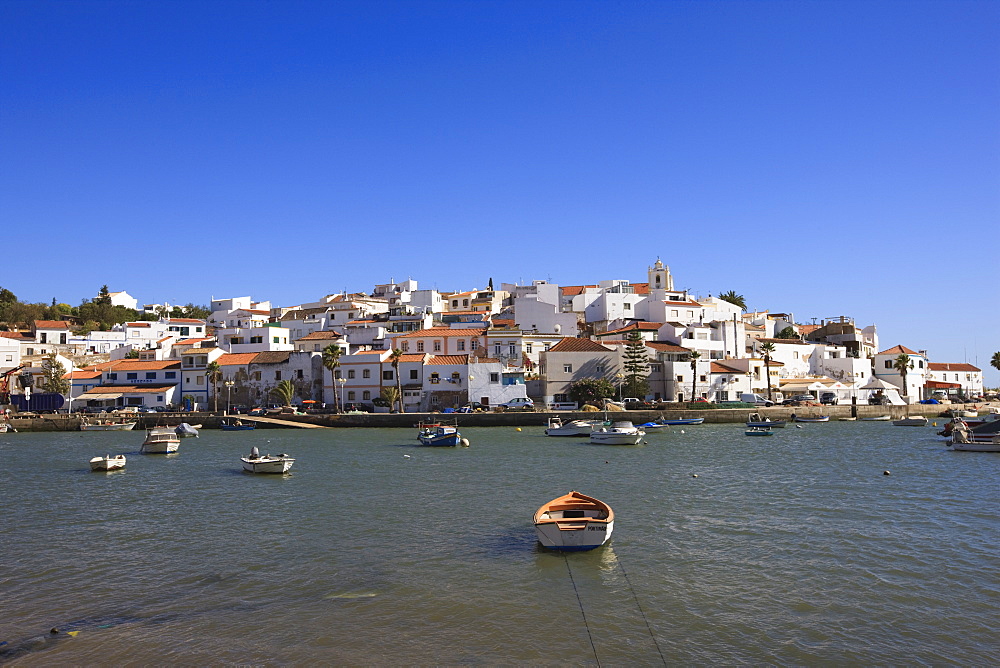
793 551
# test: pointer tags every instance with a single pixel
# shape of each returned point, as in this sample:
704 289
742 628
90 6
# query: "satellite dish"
557 328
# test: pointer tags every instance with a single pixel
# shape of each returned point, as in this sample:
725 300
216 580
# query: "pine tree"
636 365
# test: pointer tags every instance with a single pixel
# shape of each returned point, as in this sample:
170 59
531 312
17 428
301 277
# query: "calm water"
788 550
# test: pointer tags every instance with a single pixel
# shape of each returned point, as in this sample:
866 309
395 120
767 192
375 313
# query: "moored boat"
915 421
237 425
574 521
556 427
877 418
992 445
676 422
755 420
442 435
758 431
107 425
160 441
185 430
619 433
107 463
818 418
257 463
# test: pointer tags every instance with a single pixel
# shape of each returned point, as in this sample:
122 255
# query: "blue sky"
820 158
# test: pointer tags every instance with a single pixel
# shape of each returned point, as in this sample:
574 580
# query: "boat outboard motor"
254 452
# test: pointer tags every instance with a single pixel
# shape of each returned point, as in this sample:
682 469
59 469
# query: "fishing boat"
237 425
574 521
758 431
992 445
877 418
160 441
915 421
5 427
755 420
619 433
107 463
443 435
661 423
556 427
107 425
964 439
185 430
818 418
257 463
429 427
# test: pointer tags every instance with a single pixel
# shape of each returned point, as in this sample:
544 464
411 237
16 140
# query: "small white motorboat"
257 463
818 418
556 427
619 433
107 425
574 521
915 421
160 441
758 431
877 418
107 463
963 439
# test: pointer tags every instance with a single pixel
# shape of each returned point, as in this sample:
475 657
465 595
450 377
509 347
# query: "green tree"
995 362
390 395
394 360
285 392
103 297
190 310
214 373
734 298
6 296
331 360
693 357
903 364
635 364
54 374
767 349
787 333
589 390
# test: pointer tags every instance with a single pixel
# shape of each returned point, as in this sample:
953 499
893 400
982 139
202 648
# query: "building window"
277 375
567 368
256 339
350 373
200 380
405 347
111 376
366 395
298 374
494 378
513 349
527 348
387 375
150 375
627 306
350 395
256 375
474 345
888 364
455 375
236 340
437 346
680 378
276 339
43 338
170 375
420 346
131 376
366 373
461 345
413 374
496 349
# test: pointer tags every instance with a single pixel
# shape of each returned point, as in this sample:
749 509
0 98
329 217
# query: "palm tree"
734 298
903 364
693 356
284 391
214 372
331 360
995 362
767 348
394 360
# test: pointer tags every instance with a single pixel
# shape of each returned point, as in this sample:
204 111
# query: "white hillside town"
397 346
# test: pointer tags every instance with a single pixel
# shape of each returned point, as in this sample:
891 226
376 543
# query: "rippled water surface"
794 549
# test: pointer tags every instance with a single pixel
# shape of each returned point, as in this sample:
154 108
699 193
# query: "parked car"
258 411
144 409
357 407
518 404
799 400
828 398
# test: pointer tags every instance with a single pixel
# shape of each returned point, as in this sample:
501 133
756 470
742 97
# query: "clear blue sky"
823 158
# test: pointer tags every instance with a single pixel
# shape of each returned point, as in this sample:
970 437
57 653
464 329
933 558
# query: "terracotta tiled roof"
441 331
952 366
325 335
719 367
666 347
635 326
899 350
190 342
137 324
272 357
412 357
447 359
192 321
82 374
21 336
573 345
137 365
51 324
640 288
236 359
573 290
299 313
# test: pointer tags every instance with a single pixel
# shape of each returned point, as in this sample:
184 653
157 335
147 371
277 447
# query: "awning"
99 397
937 384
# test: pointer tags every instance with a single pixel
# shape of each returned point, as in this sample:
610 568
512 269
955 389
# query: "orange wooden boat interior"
574 521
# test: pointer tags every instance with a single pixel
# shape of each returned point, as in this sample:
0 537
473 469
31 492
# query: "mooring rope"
582 613
641 611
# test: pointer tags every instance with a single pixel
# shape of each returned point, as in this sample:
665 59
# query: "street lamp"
229 393
621 378
342 381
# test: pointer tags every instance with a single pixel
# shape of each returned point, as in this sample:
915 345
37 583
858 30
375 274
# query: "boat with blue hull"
237 425
661 423
441 436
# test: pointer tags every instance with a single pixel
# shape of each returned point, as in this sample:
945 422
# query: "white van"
756 399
